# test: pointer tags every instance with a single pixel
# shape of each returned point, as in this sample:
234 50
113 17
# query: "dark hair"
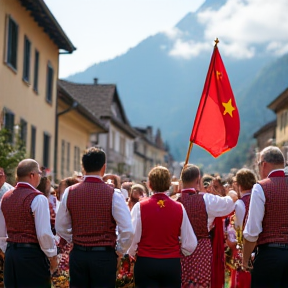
190 173
127 185
159 179
93 159
116 179
207 177
69 181
245 178
42 187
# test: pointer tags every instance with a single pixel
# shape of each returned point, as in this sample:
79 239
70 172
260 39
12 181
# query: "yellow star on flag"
218 75
228 108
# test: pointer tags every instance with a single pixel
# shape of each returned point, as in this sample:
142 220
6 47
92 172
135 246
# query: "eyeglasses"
260 162
38 172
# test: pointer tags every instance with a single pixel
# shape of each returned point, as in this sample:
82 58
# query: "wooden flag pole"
188 154
187 157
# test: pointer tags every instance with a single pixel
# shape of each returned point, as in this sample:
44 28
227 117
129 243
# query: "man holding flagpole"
202 209
216 129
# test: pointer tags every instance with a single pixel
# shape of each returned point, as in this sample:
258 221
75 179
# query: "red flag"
217 124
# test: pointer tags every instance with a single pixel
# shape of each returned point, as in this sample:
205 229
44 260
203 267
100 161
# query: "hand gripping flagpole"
191 143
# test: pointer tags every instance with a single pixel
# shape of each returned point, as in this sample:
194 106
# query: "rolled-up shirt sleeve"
121 214
63 222
217 206
253 225
188 237
40 209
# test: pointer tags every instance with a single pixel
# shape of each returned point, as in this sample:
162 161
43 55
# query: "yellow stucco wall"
15 94
76 130
282 126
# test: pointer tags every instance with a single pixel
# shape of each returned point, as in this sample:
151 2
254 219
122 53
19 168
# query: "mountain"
164 91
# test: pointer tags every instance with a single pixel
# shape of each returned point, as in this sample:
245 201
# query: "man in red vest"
25 216
87 216
267 223
159 222
202 208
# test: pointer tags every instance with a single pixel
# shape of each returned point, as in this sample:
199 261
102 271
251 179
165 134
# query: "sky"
104 29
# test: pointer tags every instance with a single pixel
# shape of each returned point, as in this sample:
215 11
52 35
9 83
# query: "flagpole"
187 158
191 143
188 154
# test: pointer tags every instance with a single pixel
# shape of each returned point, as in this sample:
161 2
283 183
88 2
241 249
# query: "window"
62 157
46 150
26 64
49 88
12 43
33 142
122 146
23 132
36 70
112 139
9 124
77 159
68 158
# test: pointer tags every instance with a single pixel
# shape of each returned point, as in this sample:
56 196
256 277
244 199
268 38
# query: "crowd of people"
198 231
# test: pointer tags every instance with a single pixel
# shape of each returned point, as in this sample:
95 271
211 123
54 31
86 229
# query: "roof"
45 19
98 99
66 97
268 126
150 139
279 102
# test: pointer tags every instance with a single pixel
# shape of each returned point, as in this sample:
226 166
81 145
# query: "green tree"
10 154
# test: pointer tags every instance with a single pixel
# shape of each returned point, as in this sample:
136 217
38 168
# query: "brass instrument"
234 258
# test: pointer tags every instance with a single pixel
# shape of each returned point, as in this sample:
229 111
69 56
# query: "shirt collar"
93 176
26 183
276 170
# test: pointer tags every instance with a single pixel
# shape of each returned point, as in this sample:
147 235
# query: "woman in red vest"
159 224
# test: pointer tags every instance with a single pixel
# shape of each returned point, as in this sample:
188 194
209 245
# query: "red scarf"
217 273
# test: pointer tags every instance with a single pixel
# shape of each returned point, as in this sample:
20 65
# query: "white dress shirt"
240 211
41 212
217 206
5 187
120 213
188 237
256 213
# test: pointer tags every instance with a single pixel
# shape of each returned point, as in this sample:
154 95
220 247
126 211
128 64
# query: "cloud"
278 48
241 25
188 49
173 33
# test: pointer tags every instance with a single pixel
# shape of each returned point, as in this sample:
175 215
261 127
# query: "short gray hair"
272 154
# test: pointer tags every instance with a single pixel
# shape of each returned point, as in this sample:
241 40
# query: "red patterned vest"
196 210
246 200
16 208
275 221
90 207
161 219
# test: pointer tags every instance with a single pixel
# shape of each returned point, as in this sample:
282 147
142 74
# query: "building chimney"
95 81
